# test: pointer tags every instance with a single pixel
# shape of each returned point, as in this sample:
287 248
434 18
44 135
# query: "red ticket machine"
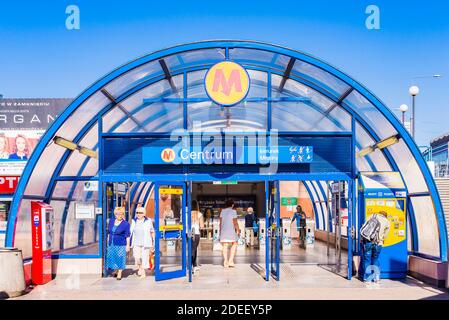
42 221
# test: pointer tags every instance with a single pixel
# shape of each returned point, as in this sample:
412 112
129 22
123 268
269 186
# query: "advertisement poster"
22 124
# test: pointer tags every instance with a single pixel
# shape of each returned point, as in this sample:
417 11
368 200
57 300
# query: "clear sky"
39 57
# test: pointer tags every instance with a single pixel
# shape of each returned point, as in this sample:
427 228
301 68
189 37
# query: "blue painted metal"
160 275
227 44
317 221
274 230
312 183
351 211
267 235
190 231
326 201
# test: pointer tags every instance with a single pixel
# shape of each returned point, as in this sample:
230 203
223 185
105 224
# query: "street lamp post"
403 108
414 91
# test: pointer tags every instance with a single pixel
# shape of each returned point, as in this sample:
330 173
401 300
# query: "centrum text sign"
158 155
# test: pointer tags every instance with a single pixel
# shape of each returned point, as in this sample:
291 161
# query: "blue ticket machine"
386 191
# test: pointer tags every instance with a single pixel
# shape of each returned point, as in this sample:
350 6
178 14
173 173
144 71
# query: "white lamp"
413 90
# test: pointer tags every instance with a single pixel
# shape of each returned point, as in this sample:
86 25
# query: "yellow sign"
171 228
395 209
227 83
168 155
170 191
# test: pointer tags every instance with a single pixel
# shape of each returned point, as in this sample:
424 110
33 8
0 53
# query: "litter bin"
12 277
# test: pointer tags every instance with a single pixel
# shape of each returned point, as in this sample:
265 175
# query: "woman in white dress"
142 240
229 232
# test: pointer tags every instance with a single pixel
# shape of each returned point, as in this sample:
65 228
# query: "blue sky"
41 58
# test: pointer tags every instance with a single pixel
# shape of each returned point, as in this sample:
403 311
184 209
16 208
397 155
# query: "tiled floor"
309 280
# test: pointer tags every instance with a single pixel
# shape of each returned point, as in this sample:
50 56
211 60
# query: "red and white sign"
8 184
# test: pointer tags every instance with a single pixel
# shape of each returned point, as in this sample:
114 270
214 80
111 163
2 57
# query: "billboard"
22 123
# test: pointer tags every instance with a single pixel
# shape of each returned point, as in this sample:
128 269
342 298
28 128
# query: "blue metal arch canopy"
226 47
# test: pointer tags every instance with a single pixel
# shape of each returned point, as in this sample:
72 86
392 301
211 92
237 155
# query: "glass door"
341 244
170 229
274 229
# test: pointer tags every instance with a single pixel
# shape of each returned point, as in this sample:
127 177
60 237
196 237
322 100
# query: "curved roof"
291 91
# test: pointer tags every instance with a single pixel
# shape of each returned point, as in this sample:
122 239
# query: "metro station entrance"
278 242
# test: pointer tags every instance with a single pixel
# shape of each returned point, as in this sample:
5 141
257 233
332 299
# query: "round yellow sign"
227 83
168 155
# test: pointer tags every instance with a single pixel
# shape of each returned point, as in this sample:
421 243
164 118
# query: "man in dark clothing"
249 224
300 217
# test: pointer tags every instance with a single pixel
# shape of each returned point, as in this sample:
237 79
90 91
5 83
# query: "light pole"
414 91
403 108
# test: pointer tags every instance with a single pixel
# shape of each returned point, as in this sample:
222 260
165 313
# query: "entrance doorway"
278 243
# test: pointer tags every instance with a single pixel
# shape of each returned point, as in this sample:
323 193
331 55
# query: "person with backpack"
373 233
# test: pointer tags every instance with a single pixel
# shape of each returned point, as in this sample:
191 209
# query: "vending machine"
42 222
386 192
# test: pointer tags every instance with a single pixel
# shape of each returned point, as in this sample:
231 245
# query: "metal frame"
159 276
226 45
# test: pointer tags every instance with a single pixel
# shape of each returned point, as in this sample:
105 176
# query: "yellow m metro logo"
227 83
168 155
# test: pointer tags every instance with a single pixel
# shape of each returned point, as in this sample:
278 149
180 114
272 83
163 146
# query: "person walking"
229 232
249 227
118 243
373 233
142 240
197 225
300 217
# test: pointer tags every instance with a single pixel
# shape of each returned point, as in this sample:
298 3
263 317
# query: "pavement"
244 282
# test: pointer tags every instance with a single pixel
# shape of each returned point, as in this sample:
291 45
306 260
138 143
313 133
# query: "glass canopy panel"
428 235
158 91
245 115
259 57
411 173
320 77
371 115
22 238
203 57
76 230
294 88
58 209
91 168
376 161
134 77
111 119
76 160
303 117
43 171
161 117
315 200
195 84
81 116
130 125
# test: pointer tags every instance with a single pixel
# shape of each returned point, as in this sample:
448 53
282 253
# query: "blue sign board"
157 155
